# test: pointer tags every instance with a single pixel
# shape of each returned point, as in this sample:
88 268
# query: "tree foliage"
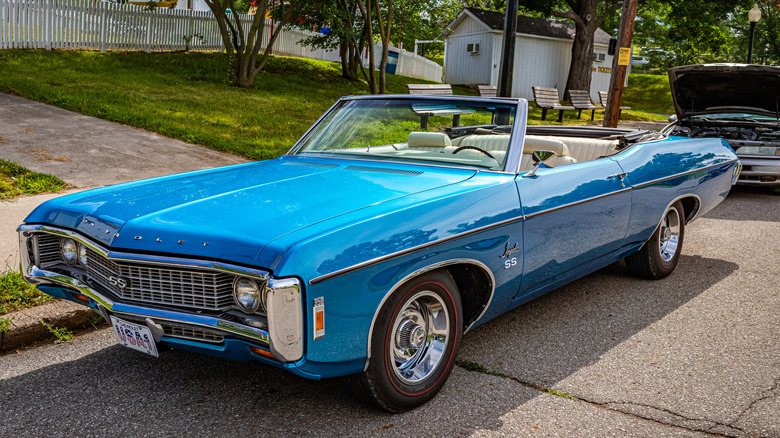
243 48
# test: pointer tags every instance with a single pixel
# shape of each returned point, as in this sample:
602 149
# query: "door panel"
575 214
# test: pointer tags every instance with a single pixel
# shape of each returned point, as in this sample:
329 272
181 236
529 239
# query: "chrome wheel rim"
669 234
419 337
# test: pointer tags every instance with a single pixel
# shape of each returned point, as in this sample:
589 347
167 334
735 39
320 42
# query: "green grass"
16 294
185 96
651 93
16 181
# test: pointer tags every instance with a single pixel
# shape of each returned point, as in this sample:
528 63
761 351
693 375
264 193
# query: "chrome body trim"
515 144
143 258
380 259
572 204
285 318
518 138
655 181
403 252
420 272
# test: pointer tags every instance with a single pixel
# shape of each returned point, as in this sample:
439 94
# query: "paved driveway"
85 152
696 354
88 152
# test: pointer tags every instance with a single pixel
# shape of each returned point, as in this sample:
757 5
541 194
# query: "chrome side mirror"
546 158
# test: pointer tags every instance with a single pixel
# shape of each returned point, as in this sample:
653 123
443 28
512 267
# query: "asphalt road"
696 354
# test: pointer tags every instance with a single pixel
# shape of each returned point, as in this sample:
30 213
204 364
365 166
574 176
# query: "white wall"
462 67
539 61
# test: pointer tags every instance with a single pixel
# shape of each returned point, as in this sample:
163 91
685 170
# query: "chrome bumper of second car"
284 337
760 171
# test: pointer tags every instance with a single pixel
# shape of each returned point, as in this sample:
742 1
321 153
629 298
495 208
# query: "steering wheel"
474 148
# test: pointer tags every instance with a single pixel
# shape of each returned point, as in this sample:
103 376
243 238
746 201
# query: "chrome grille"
49 249
159 285
192 333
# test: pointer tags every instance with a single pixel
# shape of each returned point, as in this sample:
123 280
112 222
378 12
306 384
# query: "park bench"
604 95
580 99
487 90
547 98
430 89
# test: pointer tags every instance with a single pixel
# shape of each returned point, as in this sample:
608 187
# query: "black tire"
396 383
659 255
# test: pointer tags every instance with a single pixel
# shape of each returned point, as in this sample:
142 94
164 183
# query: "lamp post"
753 15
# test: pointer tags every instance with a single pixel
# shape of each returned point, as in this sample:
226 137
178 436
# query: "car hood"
725 88
231 213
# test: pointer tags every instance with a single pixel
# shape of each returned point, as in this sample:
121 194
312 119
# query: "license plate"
135 336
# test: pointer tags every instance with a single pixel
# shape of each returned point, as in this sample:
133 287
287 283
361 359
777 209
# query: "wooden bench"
547 98
604 95
430 89
580 99
487 91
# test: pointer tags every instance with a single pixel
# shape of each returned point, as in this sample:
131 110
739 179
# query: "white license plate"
135 336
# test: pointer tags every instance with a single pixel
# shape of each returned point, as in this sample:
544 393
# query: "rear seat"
581 149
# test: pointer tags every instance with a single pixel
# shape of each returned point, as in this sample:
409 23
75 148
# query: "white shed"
473 46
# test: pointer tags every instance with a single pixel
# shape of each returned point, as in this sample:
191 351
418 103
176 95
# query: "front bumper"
283 338
760 171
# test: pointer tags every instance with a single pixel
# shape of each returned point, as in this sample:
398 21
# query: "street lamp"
753 15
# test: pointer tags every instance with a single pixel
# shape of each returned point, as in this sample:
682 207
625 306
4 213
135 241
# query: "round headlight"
83 255
247 294
69 251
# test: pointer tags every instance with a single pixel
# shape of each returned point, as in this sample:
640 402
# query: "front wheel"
414 343
659 255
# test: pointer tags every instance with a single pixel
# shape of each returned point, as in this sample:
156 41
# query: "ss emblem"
118 281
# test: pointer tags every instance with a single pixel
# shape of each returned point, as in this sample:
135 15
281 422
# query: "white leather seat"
428 141
578 148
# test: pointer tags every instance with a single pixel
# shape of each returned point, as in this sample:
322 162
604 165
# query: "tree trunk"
384 32
369 37
580 70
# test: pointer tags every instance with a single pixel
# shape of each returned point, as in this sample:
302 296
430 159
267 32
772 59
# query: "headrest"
428 139
544 143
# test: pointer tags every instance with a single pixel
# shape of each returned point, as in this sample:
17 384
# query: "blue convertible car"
391 228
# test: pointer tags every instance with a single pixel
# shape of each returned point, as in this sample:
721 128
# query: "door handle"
618 175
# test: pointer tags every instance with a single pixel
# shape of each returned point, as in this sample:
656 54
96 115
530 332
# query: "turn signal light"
264 353
319 318
80 297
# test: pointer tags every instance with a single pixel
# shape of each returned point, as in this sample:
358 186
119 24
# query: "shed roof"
530 25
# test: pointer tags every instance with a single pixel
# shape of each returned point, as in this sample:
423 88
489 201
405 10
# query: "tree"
243 48
587 16
680 32
384 33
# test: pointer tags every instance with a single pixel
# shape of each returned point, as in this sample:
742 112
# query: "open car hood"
725 88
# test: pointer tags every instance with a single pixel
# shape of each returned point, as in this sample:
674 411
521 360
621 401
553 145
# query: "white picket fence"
98 25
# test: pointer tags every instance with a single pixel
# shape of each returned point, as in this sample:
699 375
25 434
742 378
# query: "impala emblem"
509 251
118 281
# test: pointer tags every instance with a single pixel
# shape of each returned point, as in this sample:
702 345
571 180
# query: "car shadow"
741 205
184 394
550 338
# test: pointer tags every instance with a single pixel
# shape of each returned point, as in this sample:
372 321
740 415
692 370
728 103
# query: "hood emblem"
509 251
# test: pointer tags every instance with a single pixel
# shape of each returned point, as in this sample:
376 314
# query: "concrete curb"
26 328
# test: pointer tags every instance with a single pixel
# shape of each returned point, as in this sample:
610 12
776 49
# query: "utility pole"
620 63
508 52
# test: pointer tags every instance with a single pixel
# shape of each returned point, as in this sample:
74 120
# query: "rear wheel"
414 343
659 256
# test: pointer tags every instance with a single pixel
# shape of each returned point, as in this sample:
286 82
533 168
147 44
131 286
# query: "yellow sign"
624 56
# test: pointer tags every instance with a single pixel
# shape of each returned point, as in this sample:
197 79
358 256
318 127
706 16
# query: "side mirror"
542 158
673 118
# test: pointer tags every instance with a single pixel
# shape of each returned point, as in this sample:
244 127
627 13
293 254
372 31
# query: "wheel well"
475 287
691 207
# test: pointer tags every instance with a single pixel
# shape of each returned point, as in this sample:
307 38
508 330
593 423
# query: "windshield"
449 132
